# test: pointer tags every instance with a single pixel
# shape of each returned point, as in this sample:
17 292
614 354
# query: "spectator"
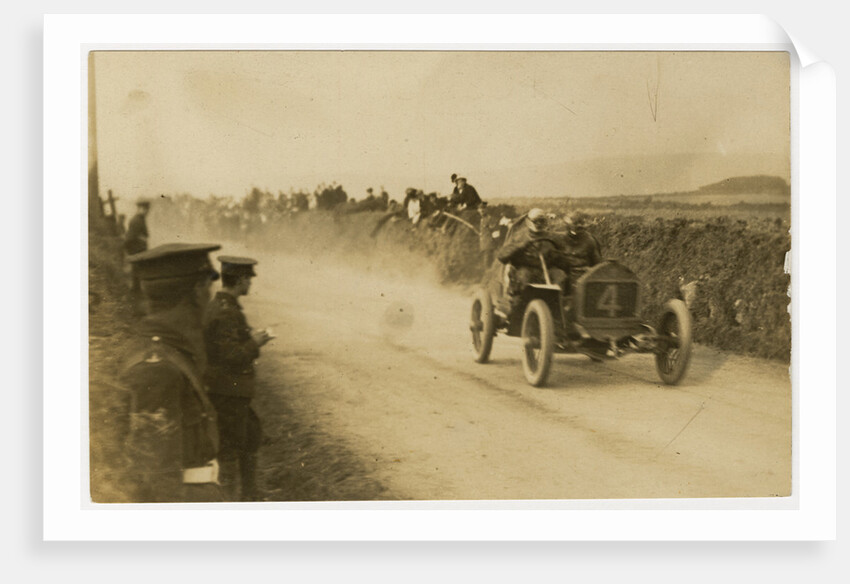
172 446
464 196
136 238
488 236
136 241
232 346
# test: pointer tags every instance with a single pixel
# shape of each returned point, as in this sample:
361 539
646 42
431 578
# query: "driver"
519 253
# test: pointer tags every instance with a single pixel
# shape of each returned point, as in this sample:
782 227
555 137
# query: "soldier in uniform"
232 347
172 445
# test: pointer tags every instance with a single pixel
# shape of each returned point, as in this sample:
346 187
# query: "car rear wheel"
482 324
538 338
673 353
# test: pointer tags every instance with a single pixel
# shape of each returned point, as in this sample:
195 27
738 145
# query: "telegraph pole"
95 213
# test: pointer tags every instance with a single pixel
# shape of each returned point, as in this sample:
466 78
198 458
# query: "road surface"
385 364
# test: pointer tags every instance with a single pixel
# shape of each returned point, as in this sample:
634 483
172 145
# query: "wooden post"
95 212
116 225
111 200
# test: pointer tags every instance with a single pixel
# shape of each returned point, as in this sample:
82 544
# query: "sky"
515 124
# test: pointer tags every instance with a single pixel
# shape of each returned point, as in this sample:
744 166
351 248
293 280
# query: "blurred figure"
395 212
489 236
232 346
385 199
433 207
173 440
409 195
414 207
136 241
136 238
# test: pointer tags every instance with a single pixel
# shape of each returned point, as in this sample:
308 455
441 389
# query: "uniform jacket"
581 250
135 240
172 424
230 349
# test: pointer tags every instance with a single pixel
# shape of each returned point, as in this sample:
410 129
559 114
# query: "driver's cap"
578 220
536 220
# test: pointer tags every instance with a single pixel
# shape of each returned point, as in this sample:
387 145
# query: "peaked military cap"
237 266
175 260
143 202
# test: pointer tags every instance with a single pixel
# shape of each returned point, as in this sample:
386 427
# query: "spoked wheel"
482 324
538 338
673 354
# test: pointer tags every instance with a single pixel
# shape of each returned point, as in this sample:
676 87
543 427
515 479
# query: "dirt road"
385 364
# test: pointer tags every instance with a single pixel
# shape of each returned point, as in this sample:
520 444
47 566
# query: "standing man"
136 241
136 238
232 347
172 445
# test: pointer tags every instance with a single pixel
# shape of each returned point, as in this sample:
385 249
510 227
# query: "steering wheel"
536 245
538 240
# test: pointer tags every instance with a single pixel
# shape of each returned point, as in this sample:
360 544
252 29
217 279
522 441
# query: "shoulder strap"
174 357
189 371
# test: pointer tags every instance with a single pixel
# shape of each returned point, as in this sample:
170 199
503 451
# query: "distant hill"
647 174
751 190
756 189
760 184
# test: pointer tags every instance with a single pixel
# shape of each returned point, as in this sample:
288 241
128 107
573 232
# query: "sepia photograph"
438 275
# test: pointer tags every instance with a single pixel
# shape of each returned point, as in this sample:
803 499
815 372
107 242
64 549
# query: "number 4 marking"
608 301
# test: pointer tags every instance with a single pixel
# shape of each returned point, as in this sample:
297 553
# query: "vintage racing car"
598 318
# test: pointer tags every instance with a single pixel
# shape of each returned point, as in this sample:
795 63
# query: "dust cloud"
364 284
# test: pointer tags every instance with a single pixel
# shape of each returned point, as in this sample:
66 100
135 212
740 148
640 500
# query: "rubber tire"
537 376
482 339
676 310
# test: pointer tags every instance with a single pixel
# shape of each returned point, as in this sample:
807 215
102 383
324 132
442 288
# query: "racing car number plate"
610 299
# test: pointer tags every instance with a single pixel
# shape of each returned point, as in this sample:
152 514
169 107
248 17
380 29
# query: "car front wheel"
538 338
482 324
675 344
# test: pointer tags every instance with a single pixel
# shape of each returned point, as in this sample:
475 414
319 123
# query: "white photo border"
68 515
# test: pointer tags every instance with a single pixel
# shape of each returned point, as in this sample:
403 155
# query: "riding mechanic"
578 248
